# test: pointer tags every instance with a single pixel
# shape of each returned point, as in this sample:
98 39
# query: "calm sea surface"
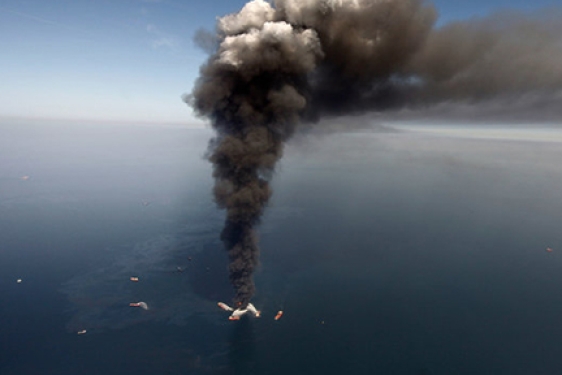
408 252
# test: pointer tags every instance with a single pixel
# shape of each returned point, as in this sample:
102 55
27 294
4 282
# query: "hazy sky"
124 60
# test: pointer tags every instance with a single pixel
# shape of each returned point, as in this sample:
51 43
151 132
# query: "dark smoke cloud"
506 55
272 66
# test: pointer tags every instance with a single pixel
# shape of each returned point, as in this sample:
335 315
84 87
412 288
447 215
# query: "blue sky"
125 60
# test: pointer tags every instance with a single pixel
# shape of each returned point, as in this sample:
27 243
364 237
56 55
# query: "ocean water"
419 251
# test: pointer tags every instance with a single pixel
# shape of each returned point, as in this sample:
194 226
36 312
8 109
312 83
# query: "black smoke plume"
274 65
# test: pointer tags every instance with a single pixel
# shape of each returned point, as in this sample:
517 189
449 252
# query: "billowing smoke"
273 66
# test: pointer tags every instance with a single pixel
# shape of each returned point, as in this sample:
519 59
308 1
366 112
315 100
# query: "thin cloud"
45 21
165 42
160 39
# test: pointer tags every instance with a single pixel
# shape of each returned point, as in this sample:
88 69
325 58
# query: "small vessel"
139 304
224 306
135 279
237 313
81 332
279 315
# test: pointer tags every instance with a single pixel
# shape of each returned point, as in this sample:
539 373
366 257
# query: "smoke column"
273 65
